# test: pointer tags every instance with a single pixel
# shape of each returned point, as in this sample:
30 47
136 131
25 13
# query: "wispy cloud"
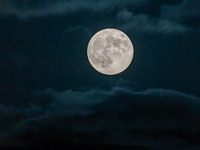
186 13
144 23
181 11
33 8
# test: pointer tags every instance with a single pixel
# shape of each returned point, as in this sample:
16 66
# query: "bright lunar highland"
110 51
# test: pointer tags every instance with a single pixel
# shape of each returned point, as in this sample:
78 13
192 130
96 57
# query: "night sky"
51 97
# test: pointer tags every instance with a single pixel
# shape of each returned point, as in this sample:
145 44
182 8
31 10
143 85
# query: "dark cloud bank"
155 118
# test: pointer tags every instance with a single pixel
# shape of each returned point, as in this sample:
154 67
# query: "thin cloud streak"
24 9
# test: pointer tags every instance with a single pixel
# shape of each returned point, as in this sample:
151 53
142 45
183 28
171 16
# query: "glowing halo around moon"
110 51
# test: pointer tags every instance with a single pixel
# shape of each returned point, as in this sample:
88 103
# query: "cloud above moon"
34 8
180 12
132 14
143 23
72 114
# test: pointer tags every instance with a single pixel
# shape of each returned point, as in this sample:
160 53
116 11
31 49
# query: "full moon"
110 51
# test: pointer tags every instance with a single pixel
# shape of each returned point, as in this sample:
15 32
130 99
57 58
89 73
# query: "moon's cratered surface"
110 51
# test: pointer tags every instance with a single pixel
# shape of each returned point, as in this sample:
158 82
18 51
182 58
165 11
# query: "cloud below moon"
143 111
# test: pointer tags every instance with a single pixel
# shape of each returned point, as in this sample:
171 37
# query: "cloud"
169 18
151 118
144 23
73 102
183 12
184 9
78 29
124 16
33 8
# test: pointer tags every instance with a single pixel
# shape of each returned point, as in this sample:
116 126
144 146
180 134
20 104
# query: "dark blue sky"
50 92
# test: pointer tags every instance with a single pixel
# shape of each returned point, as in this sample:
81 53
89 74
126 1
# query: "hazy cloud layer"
170 17
31 8
150 118
144 23
180 12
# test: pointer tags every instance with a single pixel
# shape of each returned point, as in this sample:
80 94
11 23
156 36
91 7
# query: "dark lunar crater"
105 62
